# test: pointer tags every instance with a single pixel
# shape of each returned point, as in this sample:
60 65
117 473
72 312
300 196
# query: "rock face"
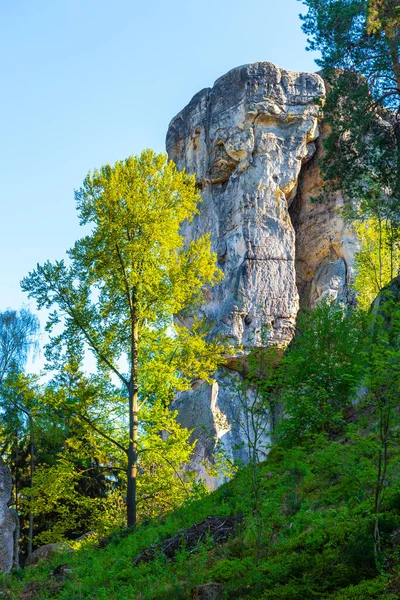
391 292
221 422
7 520
246 139
325 244
208 591
251 139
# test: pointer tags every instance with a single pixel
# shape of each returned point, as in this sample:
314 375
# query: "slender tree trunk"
391 252
132 458
16 471
394 54
384 424
32 470
133 428
380 253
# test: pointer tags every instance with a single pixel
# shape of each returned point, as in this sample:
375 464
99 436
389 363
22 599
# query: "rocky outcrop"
221 420
390 295
46 552
252 140
7 521
207 591
247 139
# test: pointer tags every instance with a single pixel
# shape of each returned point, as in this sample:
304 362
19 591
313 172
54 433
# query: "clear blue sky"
85 82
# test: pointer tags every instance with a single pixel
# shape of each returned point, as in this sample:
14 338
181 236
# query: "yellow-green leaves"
378 259
117 297
384 15
136 208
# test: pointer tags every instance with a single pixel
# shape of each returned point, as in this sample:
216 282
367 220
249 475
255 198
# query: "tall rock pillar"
246 138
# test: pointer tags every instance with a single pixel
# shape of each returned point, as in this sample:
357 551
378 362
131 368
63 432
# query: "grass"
309 536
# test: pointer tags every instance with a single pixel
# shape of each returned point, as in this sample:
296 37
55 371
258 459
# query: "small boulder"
46 552
61 571
85 536
208 591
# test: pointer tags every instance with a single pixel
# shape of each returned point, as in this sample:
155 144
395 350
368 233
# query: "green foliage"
359 36
316 497
320 511
377 589
378 259
58 496
18 337
359 42
321 371
119 293
317 511
135 208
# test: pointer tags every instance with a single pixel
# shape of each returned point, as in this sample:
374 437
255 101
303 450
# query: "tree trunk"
32 470
132 458
16 471
380 253
384 427
133 429
394 55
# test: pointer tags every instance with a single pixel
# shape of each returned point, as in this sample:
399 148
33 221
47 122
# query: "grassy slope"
314 518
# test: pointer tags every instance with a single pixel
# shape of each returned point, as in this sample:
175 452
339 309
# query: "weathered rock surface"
7 520
219 417
390 293
253 142
247 139
46 552
325 244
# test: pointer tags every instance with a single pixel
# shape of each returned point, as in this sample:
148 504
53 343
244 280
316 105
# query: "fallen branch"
217 529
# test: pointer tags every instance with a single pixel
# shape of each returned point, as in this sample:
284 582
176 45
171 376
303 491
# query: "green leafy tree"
360 36
321 371
82 486
377 261
383 384
49 443
18 337
125 281
254 413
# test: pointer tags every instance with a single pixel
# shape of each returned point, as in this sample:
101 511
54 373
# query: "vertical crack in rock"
325 243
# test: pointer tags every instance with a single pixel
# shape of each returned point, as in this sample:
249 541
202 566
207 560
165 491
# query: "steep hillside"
306 532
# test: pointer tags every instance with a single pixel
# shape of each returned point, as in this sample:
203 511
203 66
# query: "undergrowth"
317 521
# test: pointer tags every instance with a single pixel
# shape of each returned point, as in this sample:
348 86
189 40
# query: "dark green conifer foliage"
359 43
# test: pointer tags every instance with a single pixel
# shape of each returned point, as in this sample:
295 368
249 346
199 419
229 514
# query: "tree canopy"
123 284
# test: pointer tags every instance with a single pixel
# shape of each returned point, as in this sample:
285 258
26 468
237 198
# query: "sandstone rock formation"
325 244
251 140
7 520
207 591
247 139
221 423
391 292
